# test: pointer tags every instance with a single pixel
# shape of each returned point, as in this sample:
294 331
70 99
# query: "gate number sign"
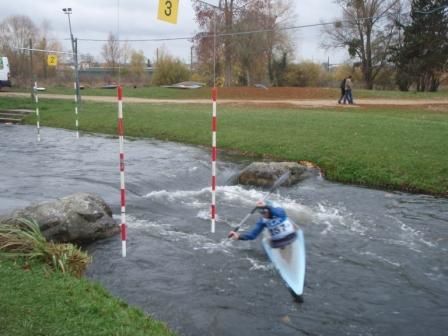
168 10
52 60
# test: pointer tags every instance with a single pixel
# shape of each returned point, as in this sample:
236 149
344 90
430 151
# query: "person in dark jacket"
274 218
342 86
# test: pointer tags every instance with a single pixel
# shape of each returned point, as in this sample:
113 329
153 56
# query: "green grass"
34 301
391 148
396 148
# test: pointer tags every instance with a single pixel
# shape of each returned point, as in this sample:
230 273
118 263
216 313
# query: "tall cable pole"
74 41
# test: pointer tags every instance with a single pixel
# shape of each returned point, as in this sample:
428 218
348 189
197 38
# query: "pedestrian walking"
348 90
342 87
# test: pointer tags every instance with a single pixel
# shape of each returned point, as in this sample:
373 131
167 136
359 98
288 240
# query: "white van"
5 79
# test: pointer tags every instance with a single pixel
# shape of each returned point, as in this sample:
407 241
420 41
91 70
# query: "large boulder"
266 173
78 218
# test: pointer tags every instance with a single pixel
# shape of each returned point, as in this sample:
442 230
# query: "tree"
137 66
423 57
111 52
15 33
220 21
366 30
87 61
253 53
44 42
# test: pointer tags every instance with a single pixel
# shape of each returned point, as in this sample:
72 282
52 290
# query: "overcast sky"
137 19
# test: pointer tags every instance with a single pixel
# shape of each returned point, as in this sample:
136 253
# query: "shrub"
169 70
26 240
305 74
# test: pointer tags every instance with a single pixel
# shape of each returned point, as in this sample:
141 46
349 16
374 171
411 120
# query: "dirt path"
276 102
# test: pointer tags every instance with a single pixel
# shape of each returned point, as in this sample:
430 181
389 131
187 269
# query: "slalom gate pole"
36 101
213 206
122 185
76 111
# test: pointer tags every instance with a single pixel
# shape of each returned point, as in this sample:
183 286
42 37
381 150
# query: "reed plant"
26 240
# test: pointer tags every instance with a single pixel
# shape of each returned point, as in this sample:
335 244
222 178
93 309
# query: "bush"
26 240
305 74
169 70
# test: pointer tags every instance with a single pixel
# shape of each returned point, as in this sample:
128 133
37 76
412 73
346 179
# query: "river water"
376 260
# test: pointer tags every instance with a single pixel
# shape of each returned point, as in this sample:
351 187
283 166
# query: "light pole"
74 41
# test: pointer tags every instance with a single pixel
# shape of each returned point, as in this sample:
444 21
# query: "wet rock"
266 173
79 218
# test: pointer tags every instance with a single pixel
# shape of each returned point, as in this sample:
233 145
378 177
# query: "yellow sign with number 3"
168 10
52 60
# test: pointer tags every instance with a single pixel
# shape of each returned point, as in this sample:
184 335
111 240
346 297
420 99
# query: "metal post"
214 49
68 12
191 61
78 94
31 69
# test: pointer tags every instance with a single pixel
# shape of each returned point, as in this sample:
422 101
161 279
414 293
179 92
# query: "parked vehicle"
5 77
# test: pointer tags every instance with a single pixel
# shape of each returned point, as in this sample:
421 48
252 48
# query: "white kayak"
290 263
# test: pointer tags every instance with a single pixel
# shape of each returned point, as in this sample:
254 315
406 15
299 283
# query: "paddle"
277 183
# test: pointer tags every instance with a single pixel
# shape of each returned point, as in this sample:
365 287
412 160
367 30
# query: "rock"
78 218
266 173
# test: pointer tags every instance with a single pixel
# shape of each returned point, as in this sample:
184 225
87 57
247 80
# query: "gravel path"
293 102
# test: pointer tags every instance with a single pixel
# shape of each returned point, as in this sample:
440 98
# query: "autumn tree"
248 36
366 30
265 40
213 20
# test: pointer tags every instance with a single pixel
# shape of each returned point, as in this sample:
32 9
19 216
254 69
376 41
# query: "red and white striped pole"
36 100
122 185
213 206
76 112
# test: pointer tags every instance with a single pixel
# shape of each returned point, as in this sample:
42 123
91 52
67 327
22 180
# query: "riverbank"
395 148
36 301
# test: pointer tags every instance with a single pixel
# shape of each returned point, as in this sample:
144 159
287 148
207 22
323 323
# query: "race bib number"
281 230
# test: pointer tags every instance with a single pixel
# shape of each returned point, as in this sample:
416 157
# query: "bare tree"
111 52
16 32
45 42
87 61
366 30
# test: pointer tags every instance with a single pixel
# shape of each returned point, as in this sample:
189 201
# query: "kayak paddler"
274 218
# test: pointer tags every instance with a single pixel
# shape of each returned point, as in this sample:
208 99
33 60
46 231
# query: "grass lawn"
37 302
397 148
392 148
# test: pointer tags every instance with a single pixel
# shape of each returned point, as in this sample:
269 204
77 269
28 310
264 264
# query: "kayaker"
274 218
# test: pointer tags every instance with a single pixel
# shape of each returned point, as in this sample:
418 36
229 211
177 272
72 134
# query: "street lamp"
68 12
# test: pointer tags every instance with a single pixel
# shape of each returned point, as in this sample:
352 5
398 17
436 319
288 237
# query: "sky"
137 19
